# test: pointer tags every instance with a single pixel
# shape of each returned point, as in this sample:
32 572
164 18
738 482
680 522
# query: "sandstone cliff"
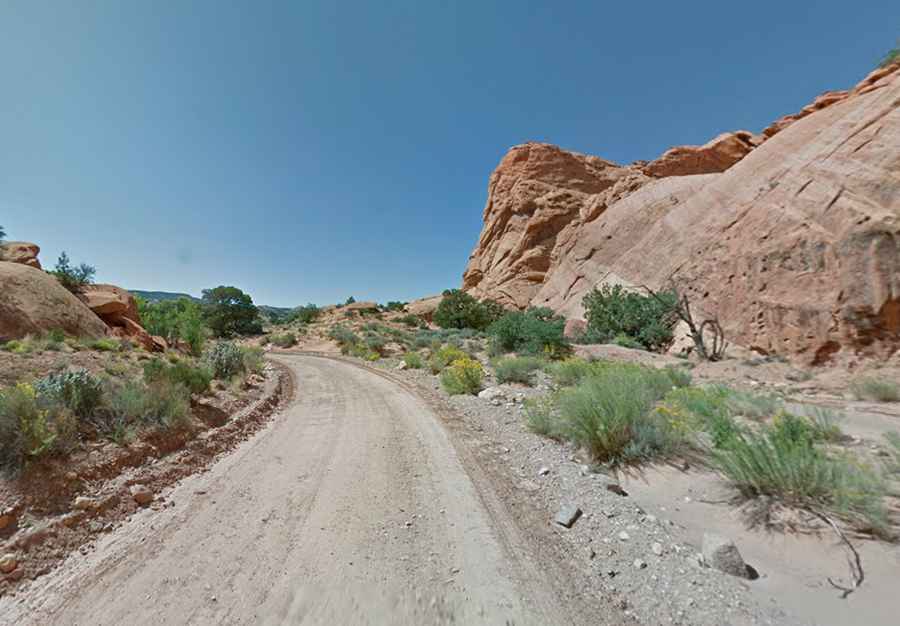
792 237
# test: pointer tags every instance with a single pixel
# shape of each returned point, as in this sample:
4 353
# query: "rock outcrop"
118 310
34 302
22 252
791 238
424 307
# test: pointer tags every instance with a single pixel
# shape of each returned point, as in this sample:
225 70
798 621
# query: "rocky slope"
790 237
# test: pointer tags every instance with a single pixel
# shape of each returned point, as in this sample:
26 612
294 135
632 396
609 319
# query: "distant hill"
159 296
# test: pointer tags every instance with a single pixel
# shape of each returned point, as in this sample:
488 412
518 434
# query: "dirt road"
352 507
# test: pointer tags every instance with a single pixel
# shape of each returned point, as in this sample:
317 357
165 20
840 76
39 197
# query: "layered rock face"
118 310
792 238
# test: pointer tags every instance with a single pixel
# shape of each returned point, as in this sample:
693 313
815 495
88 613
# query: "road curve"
352 507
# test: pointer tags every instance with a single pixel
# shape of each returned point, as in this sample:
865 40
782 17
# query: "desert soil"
353 506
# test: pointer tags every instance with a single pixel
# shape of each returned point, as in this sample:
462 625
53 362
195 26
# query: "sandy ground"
352 507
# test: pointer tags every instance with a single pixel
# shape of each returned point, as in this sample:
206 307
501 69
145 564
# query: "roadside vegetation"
53 414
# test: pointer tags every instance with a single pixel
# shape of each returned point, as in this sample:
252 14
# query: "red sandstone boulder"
33 302
712 157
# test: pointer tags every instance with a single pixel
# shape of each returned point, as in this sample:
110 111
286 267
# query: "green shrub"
443 357
413 360
133 405
105 344
536 331
610 413
375 343
627 342
691 409
781 462
395 306
225 359
463 376
75 279
18 346
285 340
517 369
25 431
458 309
875 389
612 312
343 336
55 335
413 321
752 405
893 56
79 391
196 378
570 371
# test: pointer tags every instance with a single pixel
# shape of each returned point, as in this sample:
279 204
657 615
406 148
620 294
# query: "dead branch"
854 561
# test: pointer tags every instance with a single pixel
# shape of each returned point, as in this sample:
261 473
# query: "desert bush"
627 342
413 360
254 359
79 391
541 416
517 369
413 321
284 340
752 405
225 359
443 357
458 309
196 378
876 389
75 279
570 371
132 406
343 335
610 413
780 461
395 305
613 312
700 409
463 376
25 431
535 331
375 343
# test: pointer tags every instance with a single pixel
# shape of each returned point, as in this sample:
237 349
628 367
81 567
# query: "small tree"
2 234
75 279
612 312
893 56
458 309
350 300
708 328
228 311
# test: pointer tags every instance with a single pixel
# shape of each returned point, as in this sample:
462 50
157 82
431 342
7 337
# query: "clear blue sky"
308 151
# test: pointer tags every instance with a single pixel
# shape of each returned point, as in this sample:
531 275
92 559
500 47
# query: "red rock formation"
33 302
118 310
796 246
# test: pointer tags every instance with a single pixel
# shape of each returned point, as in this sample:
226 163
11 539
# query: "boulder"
794 247
141 494
574 328
424 307
720 553
109 301
360 306
20 252
34 302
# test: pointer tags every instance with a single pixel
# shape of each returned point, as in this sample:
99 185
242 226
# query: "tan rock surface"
424 307
33 302
796 246
712 157
22 252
